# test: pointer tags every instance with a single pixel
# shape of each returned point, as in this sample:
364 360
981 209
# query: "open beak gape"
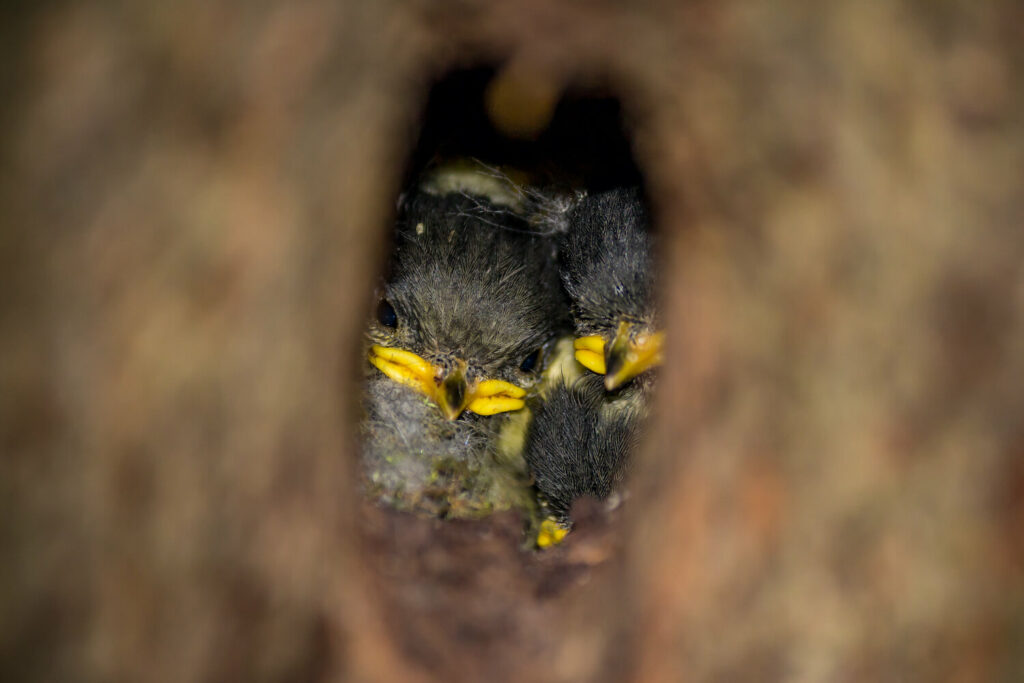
451 391
631 353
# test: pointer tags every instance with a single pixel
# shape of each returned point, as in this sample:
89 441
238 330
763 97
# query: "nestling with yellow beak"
471 304
607 272
583 435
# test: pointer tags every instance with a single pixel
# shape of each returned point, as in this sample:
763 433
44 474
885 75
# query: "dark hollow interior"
585 143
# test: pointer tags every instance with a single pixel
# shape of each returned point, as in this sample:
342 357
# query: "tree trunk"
197 197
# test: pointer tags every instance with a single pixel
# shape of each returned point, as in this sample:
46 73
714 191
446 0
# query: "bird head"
606 269
470 306
633 350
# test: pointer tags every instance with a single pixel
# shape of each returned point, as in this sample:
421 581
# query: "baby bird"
581 438
576 447
471 304
606 269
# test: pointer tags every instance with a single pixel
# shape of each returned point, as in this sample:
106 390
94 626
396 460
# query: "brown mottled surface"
470 600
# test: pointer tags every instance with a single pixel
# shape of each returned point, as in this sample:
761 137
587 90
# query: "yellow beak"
590 352
550 533
451 391
630 354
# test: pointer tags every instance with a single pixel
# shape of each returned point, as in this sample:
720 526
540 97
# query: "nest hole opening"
436 553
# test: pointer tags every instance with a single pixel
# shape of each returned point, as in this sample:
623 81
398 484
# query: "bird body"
606 258
580 444
416 459
471 305
469 396
582 436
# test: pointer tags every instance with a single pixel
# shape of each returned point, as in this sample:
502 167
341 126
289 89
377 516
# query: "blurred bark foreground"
197 195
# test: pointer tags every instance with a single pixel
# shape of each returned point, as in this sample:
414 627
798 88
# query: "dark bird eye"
530 362
386 314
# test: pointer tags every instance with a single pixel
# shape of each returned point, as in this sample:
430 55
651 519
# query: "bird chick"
577 446
471 304
581 438
606 269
